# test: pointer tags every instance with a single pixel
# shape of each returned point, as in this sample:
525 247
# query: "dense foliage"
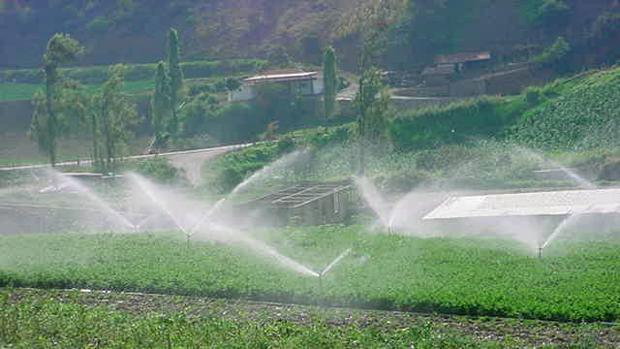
579 113
576 281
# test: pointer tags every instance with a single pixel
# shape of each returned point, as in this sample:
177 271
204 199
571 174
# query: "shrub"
533 95
555 55
223 174
159 169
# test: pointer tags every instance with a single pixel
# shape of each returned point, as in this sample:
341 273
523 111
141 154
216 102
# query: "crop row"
577 281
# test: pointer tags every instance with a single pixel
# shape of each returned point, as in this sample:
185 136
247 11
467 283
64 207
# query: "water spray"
331 266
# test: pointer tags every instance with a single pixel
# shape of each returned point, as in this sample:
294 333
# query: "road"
189 160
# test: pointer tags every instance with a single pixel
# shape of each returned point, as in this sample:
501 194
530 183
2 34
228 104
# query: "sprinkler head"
540 252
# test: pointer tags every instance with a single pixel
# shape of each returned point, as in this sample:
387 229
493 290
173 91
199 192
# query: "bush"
533 96
159 169
226 172
554 56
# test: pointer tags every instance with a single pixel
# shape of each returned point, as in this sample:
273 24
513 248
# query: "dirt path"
526 333
190 161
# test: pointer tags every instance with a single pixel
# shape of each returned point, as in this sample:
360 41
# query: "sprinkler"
540 252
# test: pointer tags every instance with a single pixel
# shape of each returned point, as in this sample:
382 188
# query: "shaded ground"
523 333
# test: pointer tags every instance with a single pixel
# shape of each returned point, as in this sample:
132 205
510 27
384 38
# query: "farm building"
306 203
298 82
464 60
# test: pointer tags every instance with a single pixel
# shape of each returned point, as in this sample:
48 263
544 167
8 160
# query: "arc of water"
285 160
146 190
582 182
226 234
374 199
335 262
559 229
262 247
94 198
207 215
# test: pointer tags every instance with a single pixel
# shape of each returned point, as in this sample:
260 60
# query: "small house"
298 82
464 60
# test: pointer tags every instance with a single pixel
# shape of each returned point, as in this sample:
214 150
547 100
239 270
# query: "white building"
301 83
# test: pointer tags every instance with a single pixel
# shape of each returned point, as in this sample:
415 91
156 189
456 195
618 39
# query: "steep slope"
134 30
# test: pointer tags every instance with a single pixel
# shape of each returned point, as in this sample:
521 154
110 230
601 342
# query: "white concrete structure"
549 203
301 83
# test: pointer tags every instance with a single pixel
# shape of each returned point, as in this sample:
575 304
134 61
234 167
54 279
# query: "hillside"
132 31
577 113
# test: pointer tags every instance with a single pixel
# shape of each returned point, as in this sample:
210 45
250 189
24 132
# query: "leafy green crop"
576 281
39 320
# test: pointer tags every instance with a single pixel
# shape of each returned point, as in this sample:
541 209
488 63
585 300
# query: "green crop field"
577 281
78 319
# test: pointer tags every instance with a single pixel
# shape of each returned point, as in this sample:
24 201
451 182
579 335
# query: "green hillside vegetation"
300 29
488 142
569 114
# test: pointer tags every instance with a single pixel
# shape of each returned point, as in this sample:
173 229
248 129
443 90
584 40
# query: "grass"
54 320
574 282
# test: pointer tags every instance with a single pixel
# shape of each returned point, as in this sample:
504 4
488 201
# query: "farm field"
149 320
576 281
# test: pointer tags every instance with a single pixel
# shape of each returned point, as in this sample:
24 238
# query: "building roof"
281 77
444 69
549 203
463 57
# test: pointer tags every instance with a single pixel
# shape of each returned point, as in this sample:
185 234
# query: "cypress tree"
175 74
330 80
160 103
61 49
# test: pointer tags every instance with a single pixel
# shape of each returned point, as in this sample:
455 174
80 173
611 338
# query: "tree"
330 80
160 105
373 103
113 116
176 78
61 49
373 23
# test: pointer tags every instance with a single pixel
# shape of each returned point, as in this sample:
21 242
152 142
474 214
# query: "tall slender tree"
176 78
45 128
373 23
114 115
160 105
330 81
